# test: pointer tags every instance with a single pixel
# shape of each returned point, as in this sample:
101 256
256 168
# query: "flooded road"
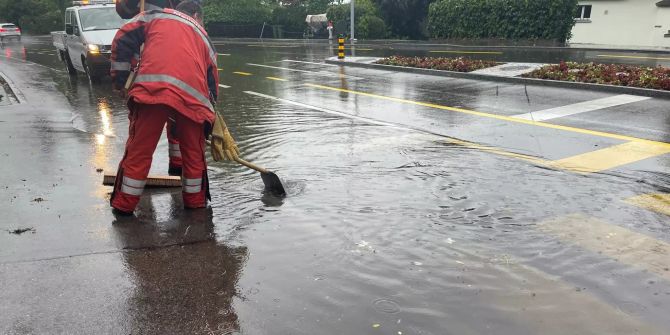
416 205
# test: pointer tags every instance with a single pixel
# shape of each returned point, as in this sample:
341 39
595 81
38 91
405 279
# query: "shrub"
459 64
292 18
610 74
511 19
369 24
371 27
237 11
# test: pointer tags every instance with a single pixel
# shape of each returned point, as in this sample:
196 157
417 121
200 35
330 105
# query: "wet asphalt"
416 205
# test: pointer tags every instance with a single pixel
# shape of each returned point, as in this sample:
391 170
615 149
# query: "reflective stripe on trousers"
192 185
132 186
174 150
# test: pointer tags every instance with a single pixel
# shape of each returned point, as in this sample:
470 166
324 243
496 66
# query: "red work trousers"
146 125
173 144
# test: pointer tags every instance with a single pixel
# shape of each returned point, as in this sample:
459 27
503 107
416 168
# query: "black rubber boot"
118 212
174 170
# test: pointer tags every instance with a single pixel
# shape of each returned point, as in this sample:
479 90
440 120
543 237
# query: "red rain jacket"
178 63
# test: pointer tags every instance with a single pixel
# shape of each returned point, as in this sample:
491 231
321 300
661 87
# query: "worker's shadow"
185 281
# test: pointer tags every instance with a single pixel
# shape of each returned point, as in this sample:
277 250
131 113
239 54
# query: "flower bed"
657 78
460 64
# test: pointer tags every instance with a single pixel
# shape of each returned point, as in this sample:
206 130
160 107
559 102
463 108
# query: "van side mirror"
68 29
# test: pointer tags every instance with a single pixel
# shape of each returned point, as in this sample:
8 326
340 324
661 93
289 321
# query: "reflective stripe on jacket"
178 63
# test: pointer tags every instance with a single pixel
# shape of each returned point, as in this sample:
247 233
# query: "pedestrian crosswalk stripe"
658 202
634 150
611 157
624 245
582 107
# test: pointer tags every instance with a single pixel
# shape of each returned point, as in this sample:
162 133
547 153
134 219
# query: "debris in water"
450 240
376 325
38 199
20 231
417 263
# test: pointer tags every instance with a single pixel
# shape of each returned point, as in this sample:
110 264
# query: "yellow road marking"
624 245
242 73
607 158
659 202
531 159
498 117
275 78
220 69
634 57
466 52
223 54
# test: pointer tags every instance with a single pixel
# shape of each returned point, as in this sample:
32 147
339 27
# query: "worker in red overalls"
127 9
176 79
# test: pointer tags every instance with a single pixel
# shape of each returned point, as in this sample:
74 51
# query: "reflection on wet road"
417 205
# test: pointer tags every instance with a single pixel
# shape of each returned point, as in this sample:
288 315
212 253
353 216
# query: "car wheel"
92 76
68 64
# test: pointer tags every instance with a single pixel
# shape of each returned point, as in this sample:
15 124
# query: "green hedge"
237 11
511 19
369 23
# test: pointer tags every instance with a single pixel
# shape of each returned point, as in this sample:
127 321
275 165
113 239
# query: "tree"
35 16
406 18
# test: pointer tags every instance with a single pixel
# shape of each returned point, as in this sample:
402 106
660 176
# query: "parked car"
86 43
9 30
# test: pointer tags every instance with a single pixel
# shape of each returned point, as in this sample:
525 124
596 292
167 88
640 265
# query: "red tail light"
18 30
2 30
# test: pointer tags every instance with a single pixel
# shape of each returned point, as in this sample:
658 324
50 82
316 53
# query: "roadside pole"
352 21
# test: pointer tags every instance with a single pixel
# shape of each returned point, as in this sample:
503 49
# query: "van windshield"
100 19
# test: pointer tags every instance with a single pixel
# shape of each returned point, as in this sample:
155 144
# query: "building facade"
629 23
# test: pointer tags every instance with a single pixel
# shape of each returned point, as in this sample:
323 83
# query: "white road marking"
229 54
319 73
582 107
329 111
224 86
301 61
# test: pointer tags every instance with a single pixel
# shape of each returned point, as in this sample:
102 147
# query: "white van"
86 43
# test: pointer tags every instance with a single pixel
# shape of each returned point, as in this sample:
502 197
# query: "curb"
13 90
515 80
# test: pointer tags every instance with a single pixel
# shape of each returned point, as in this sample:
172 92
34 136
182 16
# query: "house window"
583 12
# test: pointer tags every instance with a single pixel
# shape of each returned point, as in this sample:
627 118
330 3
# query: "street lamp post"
352 21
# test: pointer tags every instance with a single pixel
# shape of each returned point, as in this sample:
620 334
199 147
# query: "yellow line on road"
626 246
220 69
498 117
466 52
634 57
636 149
607 158
658 202
242 73
275 78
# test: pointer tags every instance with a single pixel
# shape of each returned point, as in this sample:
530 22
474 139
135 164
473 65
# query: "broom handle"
245 163
250 165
